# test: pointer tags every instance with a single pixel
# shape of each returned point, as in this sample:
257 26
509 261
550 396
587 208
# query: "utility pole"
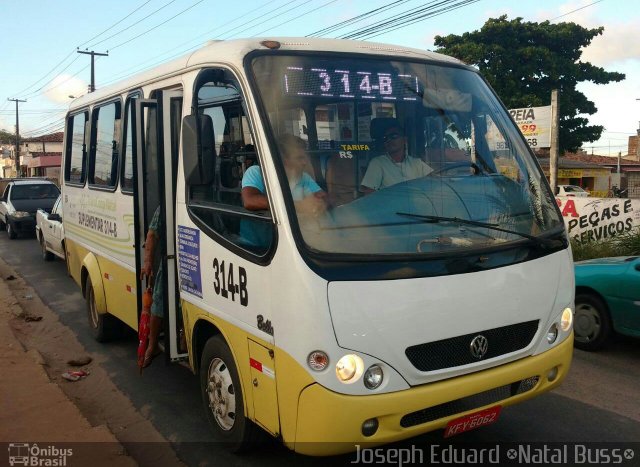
554 149
92 86
638 143
17 136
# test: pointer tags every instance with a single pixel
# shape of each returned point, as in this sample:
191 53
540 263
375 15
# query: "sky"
40 63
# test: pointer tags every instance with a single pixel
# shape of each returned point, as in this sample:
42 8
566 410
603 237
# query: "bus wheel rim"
221 392
93 312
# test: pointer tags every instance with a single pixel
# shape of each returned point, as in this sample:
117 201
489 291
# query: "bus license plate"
472 421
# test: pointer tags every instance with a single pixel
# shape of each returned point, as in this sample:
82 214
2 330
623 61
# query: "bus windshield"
406 157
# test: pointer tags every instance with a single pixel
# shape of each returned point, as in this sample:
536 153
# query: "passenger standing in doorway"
157 307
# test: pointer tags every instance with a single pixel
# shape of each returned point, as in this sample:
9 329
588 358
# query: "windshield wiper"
436 219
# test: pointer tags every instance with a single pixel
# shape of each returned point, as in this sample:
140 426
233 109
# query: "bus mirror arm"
198 151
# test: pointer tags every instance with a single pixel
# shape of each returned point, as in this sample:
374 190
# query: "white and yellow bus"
427 304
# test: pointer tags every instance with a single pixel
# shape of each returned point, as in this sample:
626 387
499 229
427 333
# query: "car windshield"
409 157
34 191
572 188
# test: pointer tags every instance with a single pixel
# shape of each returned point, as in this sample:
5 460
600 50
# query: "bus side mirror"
198 151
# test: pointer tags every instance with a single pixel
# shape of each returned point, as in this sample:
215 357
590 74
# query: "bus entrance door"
157 130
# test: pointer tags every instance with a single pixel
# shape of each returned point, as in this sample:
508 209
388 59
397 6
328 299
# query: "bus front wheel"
222 397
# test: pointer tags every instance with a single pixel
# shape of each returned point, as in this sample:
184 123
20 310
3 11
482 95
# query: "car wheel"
222 397
46 255
104 327
592 323
11 232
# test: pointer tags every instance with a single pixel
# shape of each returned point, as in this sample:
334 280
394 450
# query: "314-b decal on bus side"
224 282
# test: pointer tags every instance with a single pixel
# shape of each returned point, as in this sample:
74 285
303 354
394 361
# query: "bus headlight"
349 369
567 319
552 333
373 377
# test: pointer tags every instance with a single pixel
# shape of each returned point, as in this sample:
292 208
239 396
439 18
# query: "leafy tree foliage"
525 61
6 137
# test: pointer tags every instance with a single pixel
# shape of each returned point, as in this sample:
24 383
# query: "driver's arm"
372 179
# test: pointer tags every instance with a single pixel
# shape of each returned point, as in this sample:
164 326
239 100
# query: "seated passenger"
394 166
308 197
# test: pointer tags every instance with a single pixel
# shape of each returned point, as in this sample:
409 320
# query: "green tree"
6 137
524 61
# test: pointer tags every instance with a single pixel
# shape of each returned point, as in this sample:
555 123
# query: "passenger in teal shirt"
308 197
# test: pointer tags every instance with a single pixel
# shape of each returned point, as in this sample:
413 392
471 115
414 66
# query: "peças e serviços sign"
598 219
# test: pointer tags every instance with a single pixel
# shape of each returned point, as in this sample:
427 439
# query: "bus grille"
468 403
455 351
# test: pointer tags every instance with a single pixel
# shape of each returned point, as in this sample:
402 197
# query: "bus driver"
394 166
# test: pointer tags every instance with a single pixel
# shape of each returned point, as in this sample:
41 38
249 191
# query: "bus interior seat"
342 179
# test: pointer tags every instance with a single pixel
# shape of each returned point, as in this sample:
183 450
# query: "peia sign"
535 125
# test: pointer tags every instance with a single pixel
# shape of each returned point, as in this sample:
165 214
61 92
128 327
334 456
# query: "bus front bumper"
330 423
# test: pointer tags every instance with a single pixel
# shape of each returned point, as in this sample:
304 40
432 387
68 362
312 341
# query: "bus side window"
219 204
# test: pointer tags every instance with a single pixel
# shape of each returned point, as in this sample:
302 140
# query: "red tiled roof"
50 138
601 160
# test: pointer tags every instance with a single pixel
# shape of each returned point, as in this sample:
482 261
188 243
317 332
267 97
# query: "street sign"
535 125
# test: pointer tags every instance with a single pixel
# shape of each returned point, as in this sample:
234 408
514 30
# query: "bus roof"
234 52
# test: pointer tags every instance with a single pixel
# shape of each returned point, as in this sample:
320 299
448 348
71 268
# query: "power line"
49 72
153 59
183 51
157 26
573 11
396 17
407 18
355 19
291 19
422 18
114 24
132 25
69 55
45 128
269 18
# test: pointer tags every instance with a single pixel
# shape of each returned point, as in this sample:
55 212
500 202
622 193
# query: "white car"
20 201
50 232
572 190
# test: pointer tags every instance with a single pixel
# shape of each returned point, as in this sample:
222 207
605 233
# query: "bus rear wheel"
222 397
46 254
104 327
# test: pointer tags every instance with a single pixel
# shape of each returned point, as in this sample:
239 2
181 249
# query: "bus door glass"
157 131
171 119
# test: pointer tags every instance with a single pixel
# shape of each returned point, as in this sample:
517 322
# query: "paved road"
600 400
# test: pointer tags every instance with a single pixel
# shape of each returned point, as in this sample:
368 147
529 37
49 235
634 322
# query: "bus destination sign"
347 83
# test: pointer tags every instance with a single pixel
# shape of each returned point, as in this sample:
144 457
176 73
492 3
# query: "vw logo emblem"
479 346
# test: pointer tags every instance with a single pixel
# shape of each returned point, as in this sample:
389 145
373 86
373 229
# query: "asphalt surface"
599 402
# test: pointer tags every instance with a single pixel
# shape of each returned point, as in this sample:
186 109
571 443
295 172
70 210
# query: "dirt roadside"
90 416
